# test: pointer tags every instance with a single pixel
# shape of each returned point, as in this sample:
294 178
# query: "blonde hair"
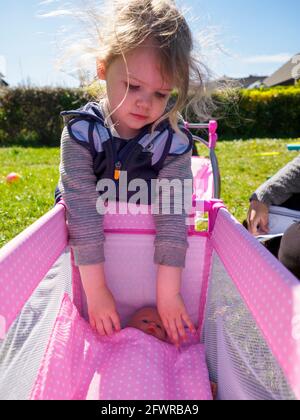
126 24
114 28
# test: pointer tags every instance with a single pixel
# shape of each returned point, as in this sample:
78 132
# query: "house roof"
250 80
284 74
244 82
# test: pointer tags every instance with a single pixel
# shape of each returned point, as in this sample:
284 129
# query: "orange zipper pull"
117 172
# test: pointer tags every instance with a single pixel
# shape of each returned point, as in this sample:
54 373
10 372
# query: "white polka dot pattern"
26 260
79 364
269 289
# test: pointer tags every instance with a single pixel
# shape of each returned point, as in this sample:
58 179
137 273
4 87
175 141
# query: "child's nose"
145 101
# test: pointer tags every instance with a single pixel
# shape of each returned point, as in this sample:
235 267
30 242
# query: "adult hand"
258 218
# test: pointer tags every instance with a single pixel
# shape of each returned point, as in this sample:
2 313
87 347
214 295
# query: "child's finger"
108 328
180 329
189 323
170 333
116 322
92 323
100 327
167 328
174 332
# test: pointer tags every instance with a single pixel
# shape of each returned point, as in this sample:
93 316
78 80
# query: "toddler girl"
144 53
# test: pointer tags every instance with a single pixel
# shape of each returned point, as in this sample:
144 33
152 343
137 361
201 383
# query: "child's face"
148 93
149 321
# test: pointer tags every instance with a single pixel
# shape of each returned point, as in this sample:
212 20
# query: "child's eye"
158 326
161 95
145 321
132 87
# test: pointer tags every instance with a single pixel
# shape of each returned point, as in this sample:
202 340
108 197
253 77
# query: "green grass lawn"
25 201
243 167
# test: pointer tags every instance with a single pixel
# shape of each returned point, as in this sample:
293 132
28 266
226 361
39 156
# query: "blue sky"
255 37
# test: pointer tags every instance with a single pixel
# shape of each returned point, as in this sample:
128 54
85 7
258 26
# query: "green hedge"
31 116
259 113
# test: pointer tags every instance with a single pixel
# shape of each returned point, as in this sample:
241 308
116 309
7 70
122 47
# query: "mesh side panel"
238 358
22 349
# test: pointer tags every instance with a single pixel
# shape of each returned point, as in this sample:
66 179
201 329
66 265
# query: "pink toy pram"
245 303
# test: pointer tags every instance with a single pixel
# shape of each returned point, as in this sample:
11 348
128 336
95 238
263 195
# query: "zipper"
117 172
126 153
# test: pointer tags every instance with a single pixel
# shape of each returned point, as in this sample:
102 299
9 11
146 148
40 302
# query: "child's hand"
174 315
102 311
170 304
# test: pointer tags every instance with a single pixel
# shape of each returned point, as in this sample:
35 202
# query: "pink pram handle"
212 127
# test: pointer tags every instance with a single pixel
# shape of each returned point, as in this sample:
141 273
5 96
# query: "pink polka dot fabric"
79 364
26 260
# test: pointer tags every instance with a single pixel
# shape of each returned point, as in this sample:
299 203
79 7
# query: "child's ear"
101 69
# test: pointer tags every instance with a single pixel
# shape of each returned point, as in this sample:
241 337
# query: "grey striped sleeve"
78 186
281 186
171 237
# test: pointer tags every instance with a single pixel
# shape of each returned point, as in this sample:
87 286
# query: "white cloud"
55 13
268 59
46 2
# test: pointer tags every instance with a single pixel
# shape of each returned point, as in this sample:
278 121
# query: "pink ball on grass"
12 177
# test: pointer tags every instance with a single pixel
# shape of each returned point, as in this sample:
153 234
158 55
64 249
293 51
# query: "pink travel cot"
245 303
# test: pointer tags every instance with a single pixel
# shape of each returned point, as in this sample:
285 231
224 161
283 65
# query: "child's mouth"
139 117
